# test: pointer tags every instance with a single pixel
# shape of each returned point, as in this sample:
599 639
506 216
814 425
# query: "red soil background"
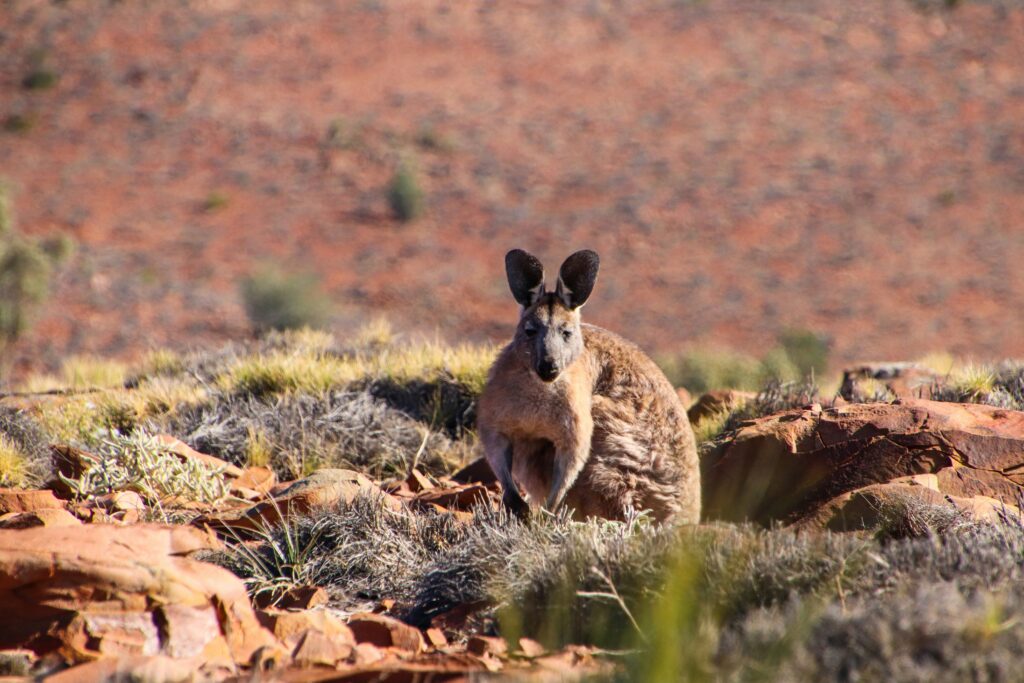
853 168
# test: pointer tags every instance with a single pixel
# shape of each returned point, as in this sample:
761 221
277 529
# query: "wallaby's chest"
532 409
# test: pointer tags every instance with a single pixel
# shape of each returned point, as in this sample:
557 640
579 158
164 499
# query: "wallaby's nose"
547 370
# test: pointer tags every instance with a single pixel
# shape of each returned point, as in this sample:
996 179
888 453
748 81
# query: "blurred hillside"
856 169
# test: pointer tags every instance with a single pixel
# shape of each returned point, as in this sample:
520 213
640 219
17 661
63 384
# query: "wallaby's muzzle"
547 370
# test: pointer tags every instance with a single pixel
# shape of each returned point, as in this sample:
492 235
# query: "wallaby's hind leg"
498 451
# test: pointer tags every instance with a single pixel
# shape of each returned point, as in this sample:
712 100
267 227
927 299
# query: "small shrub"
404 194
430 139
711 427
59 248
215 201
807 350
19 123
139 462
278 301
703 370
40 78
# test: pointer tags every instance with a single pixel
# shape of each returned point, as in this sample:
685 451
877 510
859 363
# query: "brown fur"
609 434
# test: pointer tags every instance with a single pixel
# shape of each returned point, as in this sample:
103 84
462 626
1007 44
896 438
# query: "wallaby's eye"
530 331
566 335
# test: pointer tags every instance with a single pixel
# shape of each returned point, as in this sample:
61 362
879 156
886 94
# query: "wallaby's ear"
576 278
525 277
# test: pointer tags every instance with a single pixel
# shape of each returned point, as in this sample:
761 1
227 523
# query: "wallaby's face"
549 331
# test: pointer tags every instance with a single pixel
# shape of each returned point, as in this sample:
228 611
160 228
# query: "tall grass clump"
13 466
25 458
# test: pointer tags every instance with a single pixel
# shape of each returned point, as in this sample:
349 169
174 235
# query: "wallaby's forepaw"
515 504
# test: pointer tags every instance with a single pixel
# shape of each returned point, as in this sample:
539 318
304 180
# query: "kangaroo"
576 415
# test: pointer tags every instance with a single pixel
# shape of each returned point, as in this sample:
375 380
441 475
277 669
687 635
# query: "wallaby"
575 414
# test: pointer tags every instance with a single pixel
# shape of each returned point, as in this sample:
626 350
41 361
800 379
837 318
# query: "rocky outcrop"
787 466
321 490
905 501
94 591
898 380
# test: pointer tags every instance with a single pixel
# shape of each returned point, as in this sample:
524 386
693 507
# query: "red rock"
119 501
28 500
254 480
72 463
111 584
531 648
130 668
366 653
462 497
418 481
785 466
289 626
901 380
484 645
323 489
435 638
684 396
476 472
44 517
384 631
316 649
296 597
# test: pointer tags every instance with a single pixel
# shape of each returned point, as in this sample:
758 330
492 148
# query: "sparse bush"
25 275
703 370
807 350
799 354
59 248
40 78
301 432
19 123
26 269
215 201
139 462
276 301
405 195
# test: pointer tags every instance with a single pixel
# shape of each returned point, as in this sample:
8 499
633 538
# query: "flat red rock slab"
28 500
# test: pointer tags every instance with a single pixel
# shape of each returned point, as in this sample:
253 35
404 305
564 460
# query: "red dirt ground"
851 168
